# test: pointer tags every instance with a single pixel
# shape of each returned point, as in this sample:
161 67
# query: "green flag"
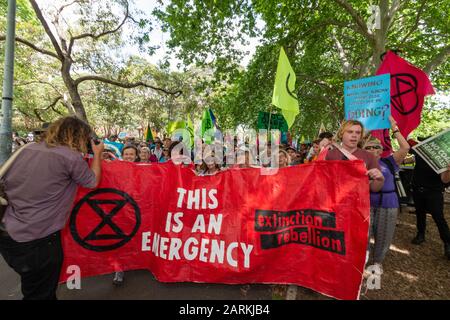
283 90
148 134
207 124
190 128
206 121
173 125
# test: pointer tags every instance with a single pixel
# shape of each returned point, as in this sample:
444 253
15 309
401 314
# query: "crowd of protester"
348 143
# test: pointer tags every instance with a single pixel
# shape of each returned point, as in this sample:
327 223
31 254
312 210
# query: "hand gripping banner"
305 225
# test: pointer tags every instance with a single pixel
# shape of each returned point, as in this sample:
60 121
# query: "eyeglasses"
373 147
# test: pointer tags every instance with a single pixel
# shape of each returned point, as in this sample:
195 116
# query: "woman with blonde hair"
40 185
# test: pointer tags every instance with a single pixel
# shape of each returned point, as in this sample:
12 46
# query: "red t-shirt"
368 158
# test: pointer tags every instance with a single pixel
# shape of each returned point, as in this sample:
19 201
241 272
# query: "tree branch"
338 23
341 52
65 103
392 10
363 29
97 36
52 106
38 115
319 82
125 85
32 46
65 6
327 22
56 111
38 82
416 24
23 112
437 60
44 23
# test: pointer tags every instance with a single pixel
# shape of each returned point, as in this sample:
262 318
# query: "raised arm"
401 153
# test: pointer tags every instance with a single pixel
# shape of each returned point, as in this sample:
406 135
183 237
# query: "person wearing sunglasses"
165 155
384 204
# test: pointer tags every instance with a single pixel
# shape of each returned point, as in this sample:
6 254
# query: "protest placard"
368 100
436 151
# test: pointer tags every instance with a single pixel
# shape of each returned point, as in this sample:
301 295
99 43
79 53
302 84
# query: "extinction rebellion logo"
308 227
102 206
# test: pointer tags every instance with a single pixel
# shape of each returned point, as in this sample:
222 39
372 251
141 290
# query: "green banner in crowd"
277 121
207 124
436 151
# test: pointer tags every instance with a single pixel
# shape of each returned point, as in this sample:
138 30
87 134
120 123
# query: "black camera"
96 140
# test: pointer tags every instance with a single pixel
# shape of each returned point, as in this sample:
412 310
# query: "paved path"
137 285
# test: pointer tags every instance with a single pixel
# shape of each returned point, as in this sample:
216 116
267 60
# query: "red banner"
409 86
305 225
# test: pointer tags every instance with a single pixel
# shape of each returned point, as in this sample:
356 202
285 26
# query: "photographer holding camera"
40 186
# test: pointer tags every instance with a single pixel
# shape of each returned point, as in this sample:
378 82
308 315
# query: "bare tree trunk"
378 50
72 87
379 46
387 13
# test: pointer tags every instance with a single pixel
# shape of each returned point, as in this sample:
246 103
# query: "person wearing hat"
39 133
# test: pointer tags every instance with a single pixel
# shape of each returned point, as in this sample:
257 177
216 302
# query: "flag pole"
270 117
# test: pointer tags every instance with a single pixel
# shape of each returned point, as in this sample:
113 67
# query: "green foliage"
435 118
111 108
24 11
323 41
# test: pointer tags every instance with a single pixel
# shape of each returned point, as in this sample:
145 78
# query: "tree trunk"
378 50
380 35
75 97
78 104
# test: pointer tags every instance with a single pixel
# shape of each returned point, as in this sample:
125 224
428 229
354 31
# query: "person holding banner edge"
130 154
351 133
